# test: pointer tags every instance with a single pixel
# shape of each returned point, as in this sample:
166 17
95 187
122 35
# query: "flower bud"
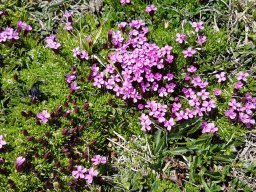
65 104
110 35
86 106
57 164
25 132
67 114
33 100
88 40
82 127
47 156
89 122
15 77
64 131
30 113
59 109
31 138
69 99
77 110
2 161
36 155
52 114
24 113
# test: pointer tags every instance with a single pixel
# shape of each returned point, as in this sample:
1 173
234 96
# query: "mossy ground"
27 62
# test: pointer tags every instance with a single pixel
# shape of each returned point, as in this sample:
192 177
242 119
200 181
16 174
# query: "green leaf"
159 141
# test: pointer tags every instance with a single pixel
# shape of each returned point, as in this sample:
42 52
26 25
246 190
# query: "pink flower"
68 26
169 58
162 92
203 94
92 173
23 25
201 40
20 160
166 50
43 116
208 127
169 77
84 55
79 172
140 106
238 85
221 77
189 52
194 102
242 76
67 14
208 105
170 87
230 113
51 42
8 34
181 115
19 163
169 124
2 142
70 78
28 28
192 69
198 26
176 107
217 92
122 25
97 159
234 104
125 1
180 38
151 9
76 52
145 122
74 87
187 77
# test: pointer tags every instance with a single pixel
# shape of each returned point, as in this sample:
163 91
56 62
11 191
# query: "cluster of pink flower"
136 67
157 111
89 174
83 173
208 127
8 34
139 63
68 23
242 78
242 111
19 163
199 103
22 25
125 2
70 77
81 54
201 39
51 42
98 159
